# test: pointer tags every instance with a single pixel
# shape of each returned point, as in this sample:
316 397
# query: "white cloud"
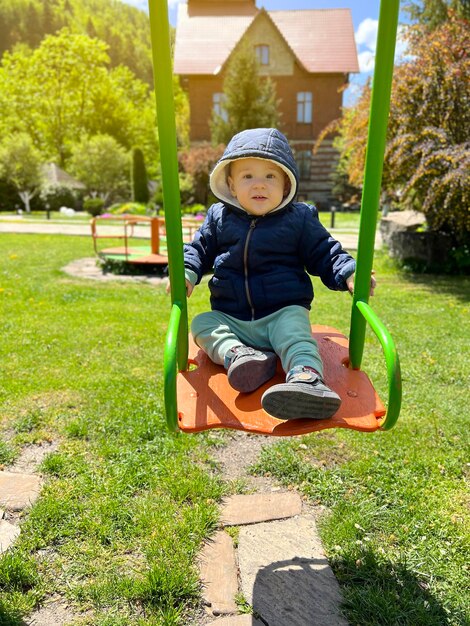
366 34
139 4
366 60
366 40
401 47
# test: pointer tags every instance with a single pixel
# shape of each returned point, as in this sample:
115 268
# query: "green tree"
250 100
64 90
21 165
433 13
102 165
140 189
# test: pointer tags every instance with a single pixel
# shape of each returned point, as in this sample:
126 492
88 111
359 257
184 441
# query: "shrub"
140 190
9 198
57 196
93 206
130 208
194 209
199 161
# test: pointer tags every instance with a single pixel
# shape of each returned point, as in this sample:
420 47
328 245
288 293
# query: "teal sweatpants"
286 332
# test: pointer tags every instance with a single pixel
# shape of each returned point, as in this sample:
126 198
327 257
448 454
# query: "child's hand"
189 288
350 283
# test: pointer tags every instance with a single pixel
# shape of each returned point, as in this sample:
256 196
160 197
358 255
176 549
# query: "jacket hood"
258 143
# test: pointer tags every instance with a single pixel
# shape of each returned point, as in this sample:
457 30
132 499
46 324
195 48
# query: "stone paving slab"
285 575
218 574
8 534
17 491
260 507
238 620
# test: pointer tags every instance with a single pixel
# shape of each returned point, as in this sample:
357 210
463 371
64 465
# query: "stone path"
83 229
278 565
18 491
348 240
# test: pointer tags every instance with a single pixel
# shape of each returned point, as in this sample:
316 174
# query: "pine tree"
140 191
90 28
48 19
250 100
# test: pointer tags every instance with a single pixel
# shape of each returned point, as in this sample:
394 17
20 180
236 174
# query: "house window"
304 163
262 52
304 107
218 100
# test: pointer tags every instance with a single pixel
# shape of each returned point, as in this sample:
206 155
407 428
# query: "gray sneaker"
248 369
303 395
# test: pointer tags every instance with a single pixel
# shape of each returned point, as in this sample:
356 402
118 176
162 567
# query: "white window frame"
218 100
262 54
304 107
304 163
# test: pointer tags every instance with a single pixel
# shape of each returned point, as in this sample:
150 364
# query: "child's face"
259 185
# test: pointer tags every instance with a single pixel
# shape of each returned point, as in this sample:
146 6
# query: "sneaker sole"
256 373
287 401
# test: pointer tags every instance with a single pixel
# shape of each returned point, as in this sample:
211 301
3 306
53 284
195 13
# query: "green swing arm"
176 349
361 312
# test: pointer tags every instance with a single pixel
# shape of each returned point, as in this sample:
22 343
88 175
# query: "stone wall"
401 232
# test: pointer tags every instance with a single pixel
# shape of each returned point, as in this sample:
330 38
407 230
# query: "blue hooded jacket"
260 264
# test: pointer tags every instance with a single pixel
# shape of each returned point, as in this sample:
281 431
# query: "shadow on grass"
458 286
10 617
387 594
303 591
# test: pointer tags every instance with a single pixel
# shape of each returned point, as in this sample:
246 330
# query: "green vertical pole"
378 119
163 80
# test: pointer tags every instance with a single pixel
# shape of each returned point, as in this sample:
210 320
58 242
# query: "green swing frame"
176 349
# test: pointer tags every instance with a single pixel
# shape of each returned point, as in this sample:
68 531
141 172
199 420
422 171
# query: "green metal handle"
393 364
379 109
170 366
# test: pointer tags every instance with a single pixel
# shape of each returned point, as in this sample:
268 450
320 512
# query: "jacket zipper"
245 264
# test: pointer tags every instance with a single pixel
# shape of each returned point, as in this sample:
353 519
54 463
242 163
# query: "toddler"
261 245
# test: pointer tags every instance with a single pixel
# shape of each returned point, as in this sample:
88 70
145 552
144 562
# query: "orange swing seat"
206 400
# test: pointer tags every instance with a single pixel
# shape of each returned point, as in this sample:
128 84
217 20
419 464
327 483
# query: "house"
54 176
309 54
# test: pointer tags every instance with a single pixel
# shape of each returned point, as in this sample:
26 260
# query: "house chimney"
221 7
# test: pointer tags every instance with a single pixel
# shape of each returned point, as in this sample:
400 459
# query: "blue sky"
364 14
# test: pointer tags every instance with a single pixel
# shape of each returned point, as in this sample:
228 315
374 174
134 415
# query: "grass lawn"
397 530
348 221
125 504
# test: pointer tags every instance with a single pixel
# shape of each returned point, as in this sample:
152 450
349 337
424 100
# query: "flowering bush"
428 155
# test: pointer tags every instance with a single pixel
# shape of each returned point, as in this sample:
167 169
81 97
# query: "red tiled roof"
204 42
321 39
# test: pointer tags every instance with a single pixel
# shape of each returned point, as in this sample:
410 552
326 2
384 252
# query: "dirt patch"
241 450
32 456
55 612
88 268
